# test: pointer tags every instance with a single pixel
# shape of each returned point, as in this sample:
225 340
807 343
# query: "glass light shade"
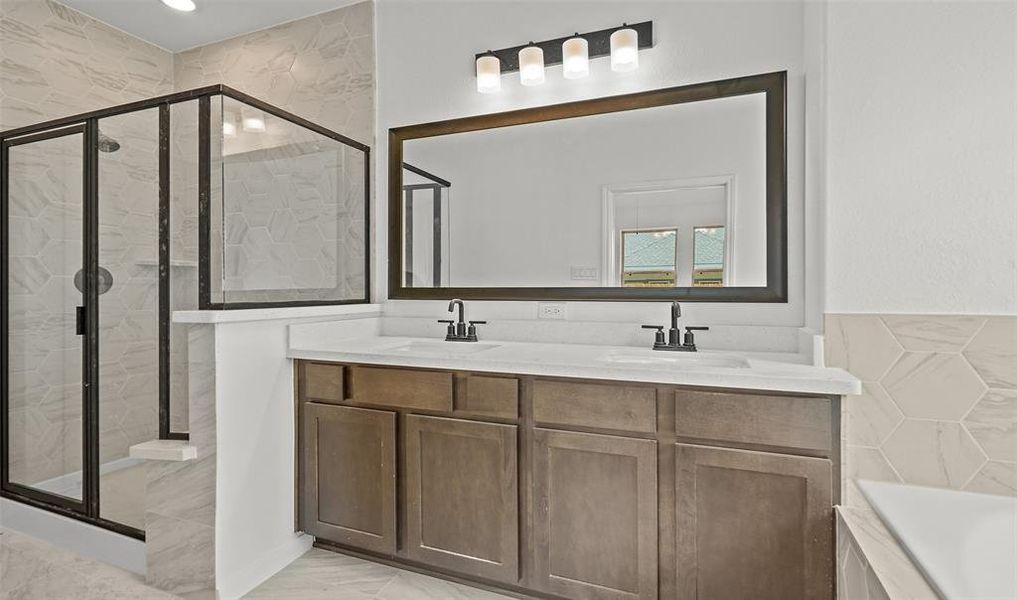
624 50
229 129
253 121
488 74
181 5
531 66
575 54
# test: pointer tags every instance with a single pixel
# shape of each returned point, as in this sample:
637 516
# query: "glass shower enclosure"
111 220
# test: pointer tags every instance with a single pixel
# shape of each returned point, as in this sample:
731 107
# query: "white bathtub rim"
941 574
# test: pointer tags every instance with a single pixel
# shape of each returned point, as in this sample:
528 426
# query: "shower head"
107 144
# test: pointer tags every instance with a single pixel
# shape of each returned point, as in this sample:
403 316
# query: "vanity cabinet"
572 489
753 525
462 496
595 517
348 471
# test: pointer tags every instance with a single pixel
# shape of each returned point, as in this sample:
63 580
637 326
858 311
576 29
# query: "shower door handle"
79 320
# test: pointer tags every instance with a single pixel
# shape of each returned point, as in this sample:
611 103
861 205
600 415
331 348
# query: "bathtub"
964 543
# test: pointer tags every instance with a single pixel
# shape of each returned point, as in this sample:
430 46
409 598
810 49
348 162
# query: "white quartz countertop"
753 371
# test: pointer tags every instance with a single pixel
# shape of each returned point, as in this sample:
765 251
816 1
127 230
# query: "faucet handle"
658 338
471 332
450 332
689 339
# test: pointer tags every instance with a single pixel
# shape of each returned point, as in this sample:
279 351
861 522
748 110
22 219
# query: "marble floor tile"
31 569
321 574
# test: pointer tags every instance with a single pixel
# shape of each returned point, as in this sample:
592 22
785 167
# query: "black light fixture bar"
599 43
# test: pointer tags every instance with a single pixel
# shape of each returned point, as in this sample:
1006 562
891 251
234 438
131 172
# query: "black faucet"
457 331
688 342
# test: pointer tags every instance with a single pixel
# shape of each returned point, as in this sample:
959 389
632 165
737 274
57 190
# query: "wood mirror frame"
773 85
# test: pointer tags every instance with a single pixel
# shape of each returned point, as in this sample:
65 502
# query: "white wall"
922 123
696 41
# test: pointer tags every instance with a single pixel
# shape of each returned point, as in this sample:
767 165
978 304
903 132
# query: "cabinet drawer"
624 408
484 396
781 421
402 388
321 382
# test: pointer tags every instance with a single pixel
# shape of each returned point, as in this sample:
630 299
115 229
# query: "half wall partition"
111 220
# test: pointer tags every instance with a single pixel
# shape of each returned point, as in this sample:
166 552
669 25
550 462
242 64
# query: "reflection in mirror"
426 231
666 196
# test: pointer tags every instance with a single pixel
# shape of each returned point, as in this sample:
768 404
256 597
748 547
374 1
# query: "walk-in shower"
113 219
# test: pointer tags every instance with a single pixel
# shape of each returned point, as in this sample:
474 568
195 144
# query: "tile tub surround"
870 563
939 401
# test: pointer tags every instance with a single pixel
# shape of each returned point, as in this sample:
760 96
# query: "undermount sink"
675 359
443 348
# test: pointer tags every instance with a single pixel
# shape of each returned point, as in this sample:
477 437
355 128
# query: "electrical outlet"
584 273
550 310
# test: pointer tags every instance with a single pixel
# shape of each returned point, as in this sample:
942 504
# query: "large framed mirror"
670 194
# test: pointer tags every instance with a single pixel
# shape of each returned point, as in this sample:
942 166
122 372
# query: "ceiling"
213 20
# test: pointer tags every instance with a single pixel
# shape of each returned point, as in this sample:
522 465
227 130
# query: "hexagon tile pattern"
939 401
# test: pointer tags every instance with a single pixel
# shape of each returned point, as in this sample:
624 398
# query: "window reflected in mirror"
708 254
649 257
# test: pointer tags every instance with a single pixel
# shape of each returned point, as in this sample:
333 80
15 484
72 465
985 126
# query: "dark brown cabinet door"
462 496
349 473
595 515
753 525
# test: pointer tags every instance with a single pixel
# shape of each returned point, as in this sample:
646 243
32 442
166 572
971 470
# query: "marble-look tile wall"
180 496
939 404
57 61
294 220
320 68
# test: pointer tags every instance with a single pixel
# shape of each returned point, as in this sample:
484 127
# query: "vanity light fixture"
624 50
575 56
253 121
574 52
181 5
488 73
531 65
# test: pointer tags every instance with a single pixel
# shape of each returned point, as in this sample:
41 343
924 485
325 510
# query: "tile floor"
321 574
34 570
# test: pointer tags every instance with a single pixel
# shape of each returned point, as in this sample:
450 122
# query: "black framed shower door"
27 163
76 315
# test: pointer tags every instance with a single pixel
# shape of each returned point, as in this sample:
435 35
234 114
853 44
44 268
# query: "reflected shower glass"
45 395
292 211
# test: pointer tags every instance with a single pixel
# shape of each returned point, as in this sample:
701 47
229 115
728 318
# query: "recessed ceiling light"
182 5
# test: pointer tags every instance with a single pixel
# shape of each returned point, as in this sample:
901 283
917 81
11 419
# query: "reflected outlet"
551 310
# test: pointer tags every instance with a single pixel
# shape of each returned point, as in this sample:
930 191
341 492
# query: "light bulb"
531 66
229 129
181 5
488 74
624 50
575 58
